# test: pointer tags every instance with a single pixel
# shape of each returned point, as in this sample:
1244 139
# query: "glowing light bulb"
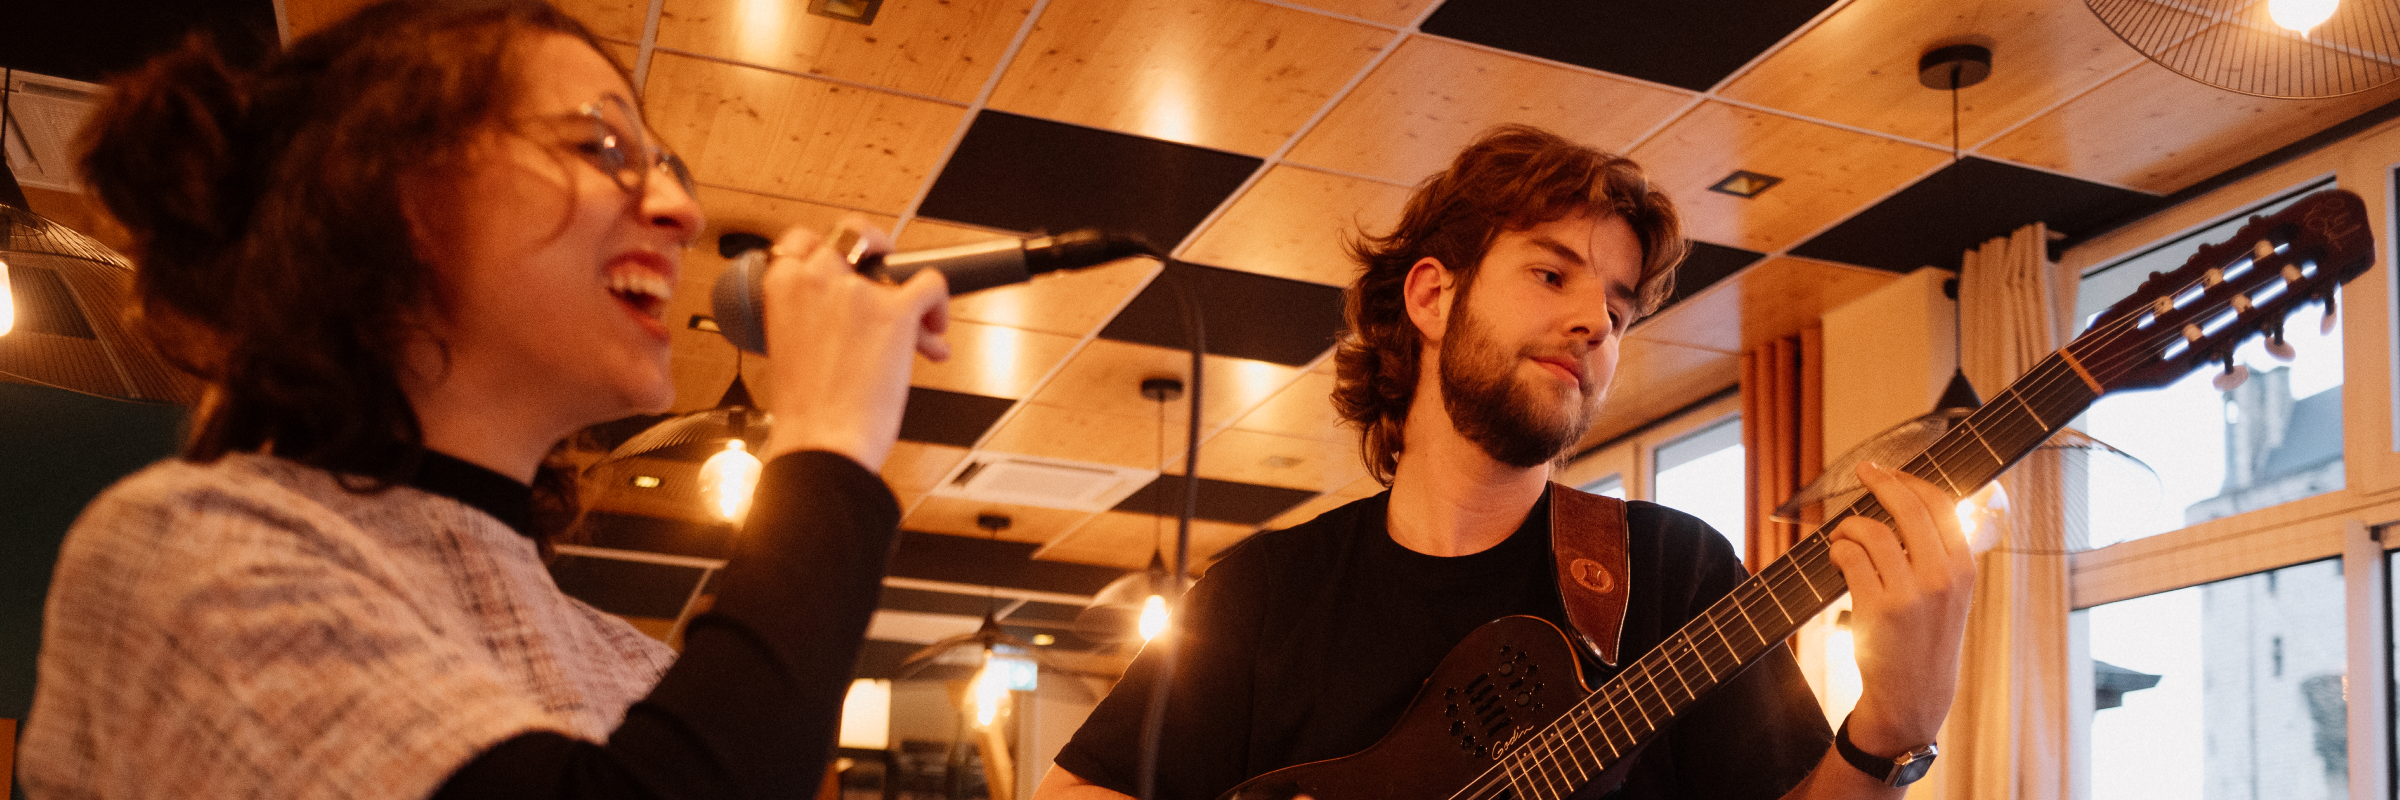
2301 15
990 689
727 480
1154 617
8 303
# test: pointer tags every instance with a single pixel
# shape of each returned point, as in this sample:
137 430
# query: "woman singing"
410 254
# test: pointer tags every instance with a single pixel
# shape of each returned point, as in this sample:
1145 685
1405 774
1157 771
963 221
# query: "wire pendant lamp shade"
70 294
2237 45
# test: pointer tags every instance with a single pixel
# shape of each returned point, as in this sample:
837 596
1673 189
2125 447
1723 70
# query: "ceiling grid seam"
1271 160
983 98
815 76
1286 4
647 47
1803 30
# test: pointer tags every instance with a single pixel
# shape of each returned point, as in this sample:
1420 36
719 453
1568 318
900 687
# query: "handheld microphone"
739 293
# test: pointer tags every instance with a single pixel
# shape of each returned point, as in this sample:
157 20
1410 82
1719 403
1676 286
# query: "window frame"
2341 523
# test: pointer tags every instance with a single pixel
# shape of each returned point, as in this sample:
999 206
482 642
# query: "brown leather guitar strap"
1587 543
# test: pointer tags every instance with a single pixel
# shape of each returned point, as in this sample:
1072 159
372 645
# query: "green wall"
57 449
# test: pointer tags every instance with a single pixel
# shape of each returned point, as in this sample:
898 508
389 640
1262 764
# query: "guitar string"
2044 379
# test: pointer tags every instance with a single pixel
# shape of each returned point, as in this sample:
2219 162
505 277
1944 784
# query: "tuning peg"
2325 326
2233 376
2277 347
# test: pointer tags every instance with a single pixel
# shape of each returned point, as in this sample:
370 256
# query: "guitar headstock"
2179 321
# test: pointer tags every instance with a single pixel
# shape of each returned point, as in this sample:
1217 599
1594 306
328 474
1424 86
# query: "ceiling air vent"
46 115
1046 482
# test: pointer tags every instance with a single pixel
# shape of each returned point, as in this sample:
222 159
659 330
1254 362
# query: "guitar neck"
1769 606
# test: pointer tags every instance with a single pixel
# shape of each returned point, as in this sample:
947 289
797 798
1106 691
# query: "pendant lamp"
66 298
2277 48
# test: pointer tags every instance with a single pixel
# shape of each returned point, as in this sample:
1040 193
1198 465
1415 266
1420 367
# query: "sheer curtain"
2006 735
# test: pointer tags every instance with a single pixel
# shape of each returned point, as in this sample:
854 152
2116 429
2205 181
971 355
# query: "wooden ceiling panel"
956 516
2154 130
1859 67
1079 434
1069 303
1827 173
304 17
1775 299
1225 74
1293 222
1656 379
938 48
1107 377
924 233
1126 540
992 360
1303 409
1411 116
611 19
1387 12
624 54
1316 465
918 467
784 135
1072 303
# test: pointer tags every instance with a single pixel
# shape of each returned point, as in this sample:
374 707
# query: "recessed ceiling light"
704 322
645 481
859 11
1044 639
1744 183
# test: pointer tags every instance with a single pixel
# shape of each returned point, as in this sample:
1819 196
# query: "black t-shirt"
1307 644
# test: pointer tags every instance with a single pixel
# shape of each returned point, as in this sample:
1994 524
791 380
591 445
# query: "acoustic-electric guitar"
1507 713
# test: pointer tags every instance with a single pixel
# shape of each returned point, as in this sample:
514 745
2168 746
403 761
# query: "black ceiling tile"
1223 501
656 535
989 562
1708 264
626 588
880 660
957 419
1936 220
932 602
1245 314
1688 43
89 40
1020 173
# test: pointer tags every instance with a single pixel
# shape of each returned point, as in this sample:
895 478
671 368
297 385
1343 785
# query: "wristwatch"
1900 771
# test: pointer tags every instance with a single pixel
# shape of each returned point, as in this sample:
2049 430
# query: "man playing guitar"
1482 336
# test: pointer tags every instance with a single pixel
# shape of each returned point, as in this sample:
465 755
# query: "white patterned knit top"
248 628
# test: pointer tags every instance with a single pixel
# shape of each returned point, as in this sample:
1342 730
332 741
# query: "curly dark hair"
274 258
1513 178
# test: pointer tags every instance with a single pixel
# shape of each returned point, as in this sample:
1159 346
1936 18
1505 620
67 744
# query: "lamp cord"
1154 719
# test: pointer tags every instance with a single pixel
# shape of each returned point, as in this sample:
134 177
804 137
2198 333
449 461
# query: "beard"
1488 405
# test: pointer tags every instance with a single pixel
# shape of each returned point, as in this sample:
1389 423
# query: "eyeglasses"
620 145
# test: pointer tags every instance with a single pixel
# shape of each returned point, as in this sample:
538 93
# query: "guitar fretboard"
1768 607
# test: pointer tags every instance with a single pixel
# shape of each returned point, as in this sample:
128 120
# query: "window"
1611 486
2225 689
2274 439
1700 473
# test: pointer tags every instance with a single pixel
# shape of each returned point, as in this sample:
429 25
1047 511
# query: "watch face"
1905 774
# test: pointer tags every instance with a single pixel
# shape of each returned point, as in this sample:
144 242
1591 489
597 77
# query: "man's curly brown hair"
1513 178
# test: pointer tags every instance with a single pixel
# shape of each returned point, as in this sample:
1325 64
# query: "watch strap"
1900 771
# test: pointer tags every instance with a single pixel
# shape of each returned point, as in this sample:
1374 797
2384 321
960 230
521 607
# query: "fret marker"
2080 372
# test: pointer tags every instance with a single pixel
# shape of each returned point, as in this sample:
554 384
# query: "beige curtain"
2007 732
1783 441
